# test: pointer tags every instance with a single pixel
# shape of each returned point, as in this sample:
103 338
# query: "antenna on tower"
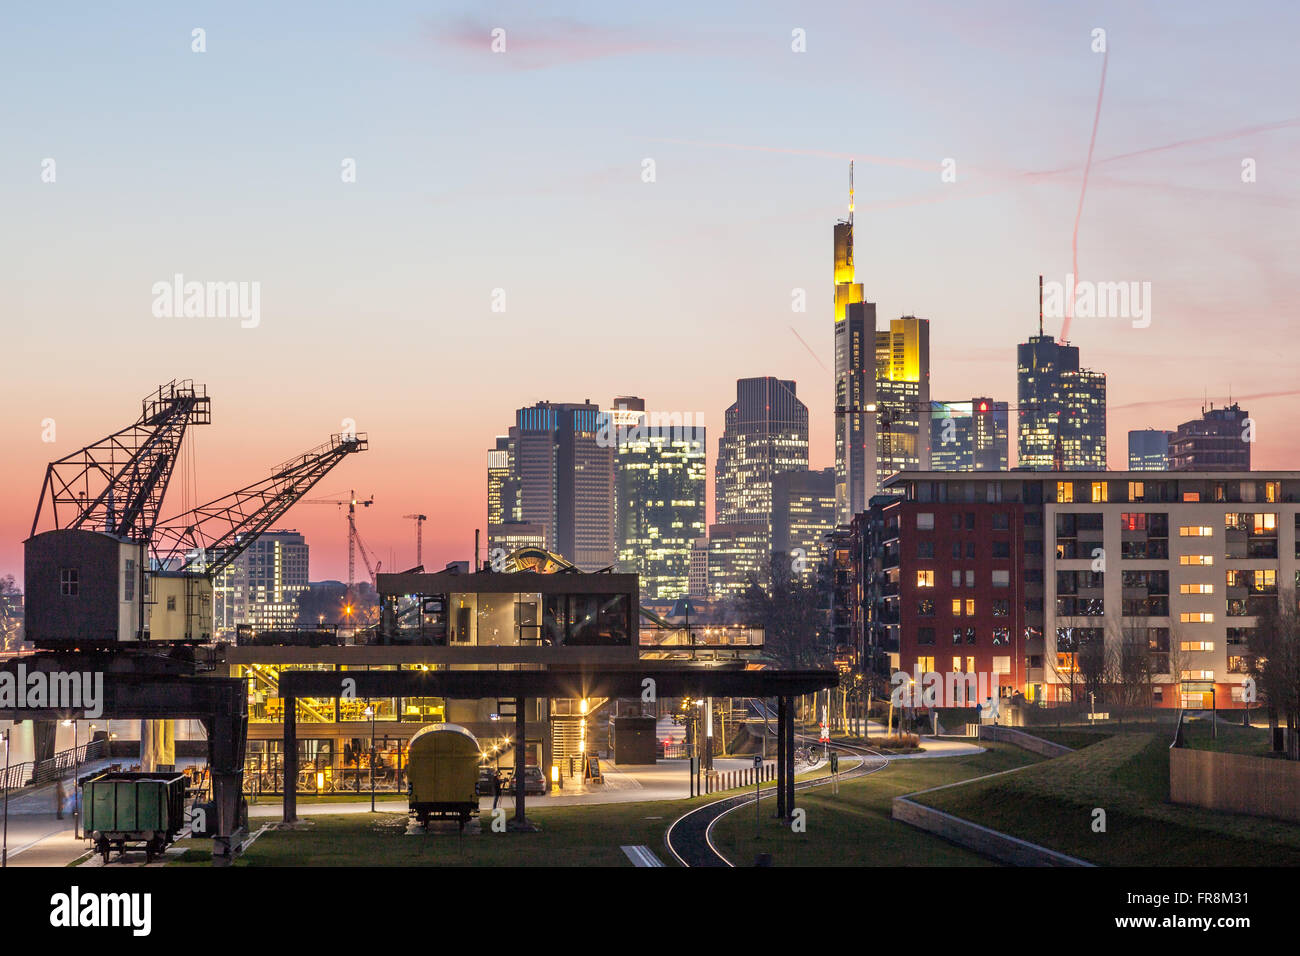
1040 305
850 192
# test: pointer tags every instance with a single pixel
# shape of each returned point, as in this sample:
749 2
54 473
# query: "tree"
792 622
1274 647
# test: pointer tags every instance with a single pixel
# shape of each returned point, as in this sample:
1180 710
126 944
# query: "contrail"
1194 400
1083 191
810 351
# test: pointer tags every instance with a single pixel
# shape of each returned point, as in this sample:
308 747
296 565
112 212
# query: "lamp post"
370 712
4 841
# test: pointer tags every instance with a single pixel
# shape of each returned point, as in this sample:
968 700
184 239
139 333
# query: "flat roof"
491 582
901 476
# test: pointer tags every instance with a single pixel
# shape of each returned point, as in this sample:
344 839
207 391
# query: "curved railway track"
689 837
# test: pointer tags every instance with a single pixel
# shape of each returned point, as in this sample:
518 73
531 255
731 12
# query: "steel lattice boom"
118 483
208 538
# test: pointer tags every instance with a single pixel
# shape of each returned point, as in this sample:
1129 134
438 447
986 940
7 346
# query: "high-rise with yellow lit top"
855 328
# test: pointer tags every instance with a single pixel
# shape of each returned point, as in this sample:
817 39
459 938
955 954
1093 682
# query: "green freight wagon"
134 808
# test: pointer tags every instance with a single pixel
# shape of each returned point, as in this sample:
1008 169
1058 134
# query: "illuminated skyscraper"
803 513
262 586
660 477
503 504
1148 449
968 436
902 397
565 477
1062 407
855 383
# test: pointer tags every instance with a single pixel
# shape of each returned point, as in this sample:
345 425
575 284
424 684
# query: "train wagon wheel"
148 853
104 850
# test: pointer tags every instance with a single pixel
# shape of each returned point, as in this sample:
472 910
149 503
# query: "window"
970 636
1195 531
1099 492
925 521
1272 491
1001 637
1001 607
956 521
1197 645
925 607
925 579
1191 496
1001 521
171 602
970 579
1196 588
68 582
925 549
1196 617
956 550
970 521
970 607
925 635
1001 579
1136 491
1001 549
1197 559
956 635
128 580
956 607
970 550
1002 665
956 579
925 664
1265 523
1064 492
1265 580
1130 521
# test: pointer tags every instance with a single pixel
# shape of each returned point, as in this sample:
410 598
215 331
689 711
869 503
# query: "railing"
326 635
35 773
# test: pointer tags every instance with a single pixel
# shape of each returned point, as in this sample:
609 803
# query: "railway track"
689 837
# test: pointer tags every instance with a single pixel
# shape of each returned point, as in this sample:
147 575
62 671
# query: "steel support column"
789 760
290 759
782 710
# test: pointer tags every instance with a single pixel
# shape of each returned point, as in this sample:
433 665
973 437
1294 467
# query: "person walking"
496 788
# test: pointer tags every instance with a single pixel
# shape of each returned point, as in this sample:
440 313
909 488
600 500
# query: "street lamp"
370 712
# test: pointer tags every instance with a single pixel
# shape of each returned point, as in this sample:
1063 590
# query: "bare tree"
1274 647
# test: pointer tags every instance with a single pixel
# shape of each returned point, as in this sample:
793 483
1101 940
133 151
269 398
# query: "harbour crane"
419 536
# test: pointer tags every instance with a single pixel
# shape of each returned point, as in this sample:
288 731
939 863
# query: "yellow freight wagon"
442 766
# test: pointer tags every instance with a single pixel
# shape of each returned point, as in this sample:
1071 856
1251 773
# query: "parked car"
535 783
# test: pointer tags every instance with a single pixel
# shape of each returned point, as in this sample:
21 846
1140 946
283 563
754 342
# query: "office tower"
738 558
660 479
510 536
565 475
803 513
503 497
968 436
855 382
262 586
902 397
1148 449
699 575
1062 408
1219 440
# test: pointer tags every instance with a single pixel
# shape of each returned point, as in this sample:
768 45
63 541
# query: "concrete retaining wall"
1234 782
990 843
1005 735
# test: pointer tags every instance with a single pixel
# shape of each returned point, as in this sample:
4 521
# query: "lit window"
1197 588
1064 492
1196 617
956 607
1195 531
970 607
925 579
1265 522
1001 579
1099 492
1198 645
1265 578
1272 490
1197 559
1133 521
925 664
956 664
1191 496
925 521
1136 491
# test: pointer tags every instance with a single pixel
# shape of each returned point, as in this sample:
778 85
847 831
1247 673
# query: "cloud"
543 44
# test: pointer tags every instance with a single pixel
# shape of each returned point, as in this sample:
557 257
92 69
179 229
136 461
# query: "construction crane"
116 485
419 536
354 541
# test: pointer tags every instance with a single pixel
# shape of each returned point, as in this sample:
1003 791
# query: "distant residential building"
565 478
661 477
738 557
803 513
1062 409
902 397
1148 449
699 573
262 586
969 436
1219 440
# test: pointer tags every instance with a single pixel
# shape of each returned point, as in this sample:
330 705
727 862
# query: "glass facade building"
968 436
1062 409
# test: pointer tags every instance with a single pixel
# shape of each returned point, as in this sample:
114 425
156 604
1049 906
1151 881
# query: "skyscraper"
765 433
502 488
1062 407
1148 449
968 436
262 586
803 513
902 397
1219 440
565 476
660 478
855 380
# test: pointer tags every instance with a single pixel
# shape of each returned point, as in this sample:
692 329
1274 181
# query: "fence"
37 772
731 779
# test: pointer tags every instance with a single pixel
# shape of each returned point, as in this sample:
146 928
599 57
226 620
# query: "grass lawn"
570 836
1233 738
855 827
1072 737
1127 775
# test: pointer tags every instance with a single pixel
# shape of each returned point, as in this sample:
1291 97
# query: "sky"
525 171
